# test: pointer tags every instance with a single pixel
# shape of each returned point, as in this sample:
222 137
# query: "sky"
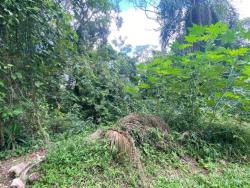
137 29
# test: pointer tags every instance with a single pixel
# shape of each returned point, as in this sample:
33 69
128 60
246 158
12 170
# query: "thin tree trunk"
37 115
2 140
209 16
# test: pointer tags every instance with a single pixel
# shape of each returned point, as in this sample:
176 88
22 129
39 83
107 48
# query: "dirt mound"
145 127
132 131
143 122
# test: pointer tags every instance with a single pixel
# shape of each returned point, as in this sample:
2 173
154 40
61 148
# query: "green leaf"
246 70
141 66
19 75
1 84
229 37
38 84
161 71
13 77
130 89
184 46
197 30
237 52
231 95
143 86
191 38
246 35
152 79
214 57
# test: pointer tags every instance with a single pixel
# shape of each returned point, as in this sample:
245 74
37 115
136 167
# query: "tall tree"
176 16
91 20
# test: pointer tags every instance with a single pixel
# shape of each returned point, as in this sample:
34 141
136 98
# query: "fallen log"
20 172
15 171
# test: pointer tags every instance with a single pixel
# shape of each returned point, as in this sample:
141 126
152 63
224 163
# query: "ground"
81 160
5 165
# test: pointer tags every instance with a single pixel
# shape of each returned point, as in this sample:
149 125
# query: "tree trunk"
2 140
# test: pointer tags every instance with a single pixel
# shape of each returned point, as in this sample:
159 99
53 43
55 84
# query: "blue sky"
137 29
125 5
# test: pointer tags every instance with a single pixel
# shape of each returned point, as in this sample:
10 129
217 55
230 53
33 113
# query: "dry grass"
121 141
138 126
125 145
143 122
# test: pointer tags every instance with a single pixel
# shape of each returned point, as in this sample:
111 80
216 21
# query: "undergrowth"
75 162
189 159
213 141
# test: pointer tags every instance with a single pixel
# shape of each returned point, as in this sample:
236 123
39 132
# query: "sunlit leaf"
231 95
143 86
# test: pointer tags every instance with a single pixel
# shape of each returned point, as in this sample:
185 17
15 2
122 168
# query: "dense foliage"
56 68
36 41
60 80
50 67
205 81
73 162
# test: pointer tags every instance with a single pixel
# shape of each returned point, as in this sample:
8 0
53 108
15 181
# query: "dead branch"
20 172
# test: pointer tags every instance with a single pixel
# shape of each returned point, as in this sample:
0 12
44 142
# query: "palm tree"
176 16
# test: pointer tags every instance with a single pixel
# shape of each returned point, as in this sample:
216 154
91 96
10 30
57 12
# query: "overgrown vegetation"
75 162
60 81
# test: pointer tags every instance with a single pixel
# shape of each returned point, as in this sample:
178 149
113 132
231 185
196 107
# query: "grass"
192 161
73 162
171 170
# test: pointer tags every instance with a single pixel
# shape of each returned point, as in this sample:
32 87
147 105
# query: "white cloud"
136 28
243 7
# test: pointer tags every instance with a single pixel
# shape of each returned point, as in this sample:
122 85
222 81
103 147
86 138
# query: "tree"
177 16
98 82
208 82
36 42
91 20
